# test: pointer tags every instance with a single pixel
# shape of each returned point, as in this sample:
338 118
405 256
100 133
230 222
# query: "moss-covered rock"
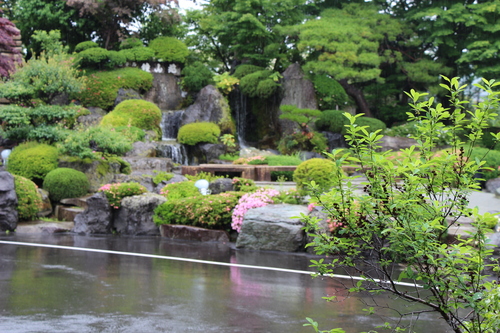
62 183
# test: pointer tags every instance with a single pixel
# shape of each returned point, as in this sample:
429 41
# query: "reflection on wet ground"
61 290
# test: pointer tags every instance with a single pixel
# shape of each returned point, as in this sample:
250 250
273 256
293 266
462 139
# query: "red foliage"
7 33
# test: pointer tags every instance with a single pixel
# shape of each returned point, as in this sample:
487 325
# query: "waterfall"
173 150
169 147
170 123
238 103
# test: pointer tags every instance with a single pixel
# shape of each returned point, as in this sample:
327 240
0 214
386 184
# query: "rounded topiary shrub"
180 190
169 49
95 57
131 43
193 133
28 198
85 46
33 161
372 123
62 183
140 53
322 171
134 112
332 121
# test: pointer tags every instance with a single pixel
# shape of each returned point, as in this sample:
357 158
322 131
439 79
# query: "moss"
62 183
29 200
227 124
191 134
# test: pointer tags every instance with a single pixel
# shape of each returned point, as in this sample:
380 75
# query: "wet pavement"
63 290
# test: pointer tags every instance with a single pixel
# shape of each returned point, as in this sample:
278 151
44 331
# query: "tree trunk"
358 96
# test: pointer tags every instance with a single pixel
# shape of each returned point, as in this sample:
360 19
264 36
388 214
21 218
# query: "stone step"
78 202
64 213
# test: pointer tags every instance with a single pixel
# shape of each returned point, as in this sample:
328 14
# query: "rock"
492 185
135 216
205 152
335 140
8 202
221 185
46 207
142 149
396 143
92 119
126 94
143 165
297 91
64 213
97 173
175 179
210 106
145 180
78 202
165 92
97 218
273 227
187 232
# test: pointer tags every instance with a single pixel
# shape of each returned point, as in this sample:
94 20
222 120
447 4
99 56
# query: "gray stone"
396 143
145 180
8 202
273 227
165 92
208 107
221 185
126 94
186 232
142 149
94 174
97 218
46 207
175 179
297 91
205 152
92 119
492 185
143 165
135 216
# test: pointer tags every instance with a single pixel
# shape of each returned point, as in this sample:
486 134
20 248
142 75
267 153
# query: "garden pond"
70 283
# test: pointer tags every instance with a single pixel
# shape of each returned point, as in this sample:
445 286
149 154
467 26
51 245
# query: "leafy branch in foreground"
405 215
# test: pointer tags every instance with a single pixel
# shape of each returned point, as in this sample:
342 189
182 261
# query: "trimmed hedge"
319 170
85 46
29 200
62 183
33 161
138 54
169 49
102 87
193 133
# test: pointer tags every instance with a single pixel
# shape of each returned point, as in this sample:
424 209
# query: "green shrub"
207 211
102 87
244 70
488 140
117 191
492 161
180 190
28 198
244 185
138 54
321 171
332 121
196 76
161 176
62 183
372 123
169 49
329 92
85 46
95 57
132 133
116 59
130 43
85 143
259 84
134 112
193 133
33 161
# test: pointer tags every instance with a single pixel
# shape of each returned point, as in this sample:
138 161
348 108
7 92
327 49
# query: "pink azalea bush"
260 198
117 191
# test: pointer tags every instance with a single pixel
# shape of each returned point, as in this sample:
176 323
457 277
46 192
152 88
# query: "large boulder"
210 106
135 216
187 232
97 218
8 202
142 149
273 227
205 152
297 91
221 185
165 92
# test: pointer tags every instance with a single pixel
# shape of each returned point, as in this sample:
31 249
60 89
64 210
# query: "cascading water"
169 147
239 106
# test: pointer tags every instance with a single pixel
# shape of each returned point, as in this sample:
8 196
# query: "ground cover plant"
405 214
117 191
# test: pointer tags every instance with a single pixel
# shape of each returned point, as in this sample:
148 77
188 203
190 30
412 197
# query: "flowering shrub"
247 160
208 211
244 185
262 197
116 192
180 190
